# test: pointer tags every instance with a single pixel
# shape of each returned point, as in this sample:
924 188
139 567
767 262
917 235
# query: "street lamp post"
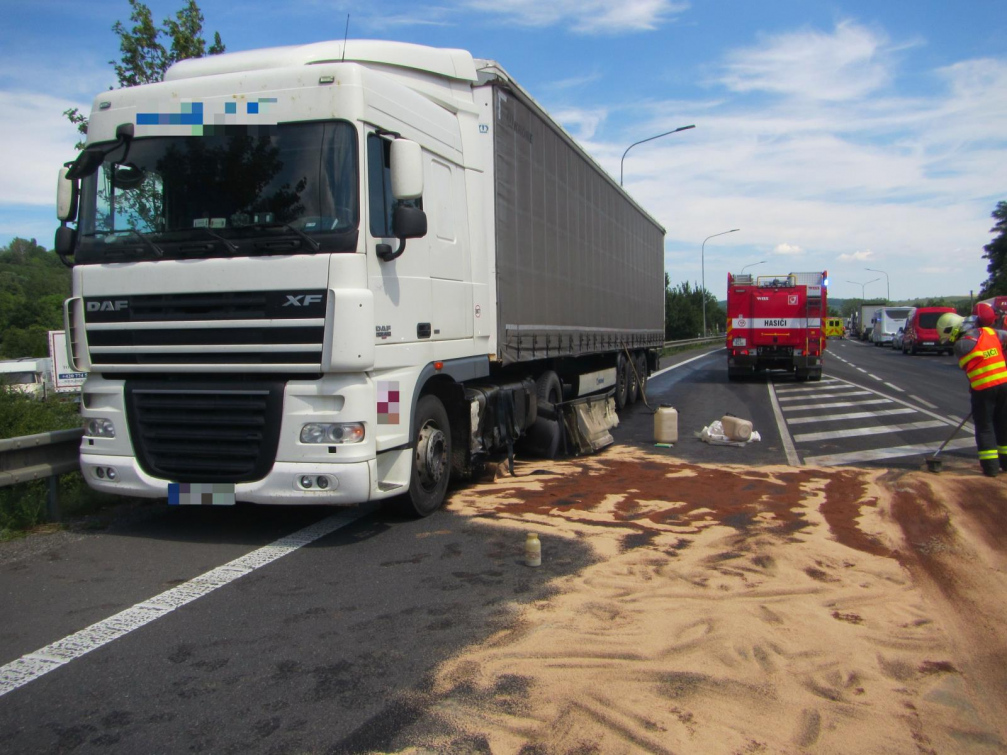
888 286
702 270
649 139
862 286
763 262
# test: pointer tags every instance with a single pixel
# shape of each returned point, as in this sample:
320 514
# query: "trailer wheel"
632 385
428 483
621 382
641 369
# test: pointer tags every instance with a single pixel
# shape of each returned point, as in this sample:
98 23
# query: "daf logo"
107 306
302 300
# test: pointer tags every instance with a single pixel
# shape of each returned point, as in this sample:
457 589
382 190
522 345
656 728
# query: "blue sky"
838 136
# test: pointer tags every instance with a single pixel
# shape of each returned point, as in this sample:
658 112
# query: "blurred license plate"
928 343
200 493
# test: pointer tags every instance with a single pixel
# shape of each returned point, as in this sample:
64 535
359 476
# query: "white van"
887 321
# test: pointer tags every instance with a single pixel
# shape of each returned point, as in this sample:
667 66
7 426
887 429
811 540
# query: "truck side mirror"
66 197
407 169
409 222
66 238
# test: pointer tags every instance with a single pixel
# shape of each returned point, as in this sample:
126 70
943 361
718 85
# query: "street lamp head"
649 139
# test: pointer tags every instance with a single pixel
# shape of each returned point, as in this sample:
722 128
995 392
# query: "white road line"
839 404
850 415
857 432
682 364
29 667
788 444
877 454
826 395
925 403
875 377
895 388
861 369
946 420
806 389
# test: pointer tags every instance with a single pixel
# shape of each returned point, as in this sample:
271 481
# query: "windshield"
284 189
929 319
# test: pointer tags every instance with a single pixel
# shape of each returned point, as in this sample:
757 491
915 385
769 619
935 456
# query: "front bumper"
280 486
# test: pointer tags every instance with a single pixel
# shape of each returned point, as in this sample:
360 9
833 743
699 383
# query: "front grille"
257 331
205 432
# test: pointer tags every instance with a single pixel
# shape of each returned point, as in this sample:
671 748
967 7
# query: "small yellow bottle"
532 550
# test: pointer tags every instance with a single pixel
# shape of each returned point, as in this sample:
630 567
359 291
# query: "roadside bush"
24 415
24 506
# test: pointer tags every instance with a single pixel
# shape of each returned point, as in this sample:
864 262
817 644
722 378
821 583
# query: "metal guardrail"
36 457
690 341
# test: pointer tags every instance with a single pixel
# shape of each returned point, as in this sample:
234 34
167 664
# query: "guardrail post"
52 509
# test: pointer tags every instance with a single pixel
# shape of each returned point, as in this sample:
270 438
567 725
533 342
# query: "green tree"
145 58
996 253
33 285
683 311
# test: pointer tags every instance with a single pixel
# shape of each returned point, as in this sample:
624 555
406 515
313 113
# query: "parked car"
921 331
898 338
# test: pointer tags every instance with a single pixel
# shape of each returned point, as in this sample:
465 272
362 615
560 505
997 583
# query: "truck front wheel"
431 473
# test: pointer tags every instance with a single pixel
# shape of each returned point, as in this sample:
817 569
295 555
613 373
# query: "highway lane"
874 407
331 647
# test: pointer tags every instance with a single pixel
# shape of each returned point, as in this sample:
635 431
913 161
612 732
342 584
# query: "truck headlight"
332 433
99 427
741 342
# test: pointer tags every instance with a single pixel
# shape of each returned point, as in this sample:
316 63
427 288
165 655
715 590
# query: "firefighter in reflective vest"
980 352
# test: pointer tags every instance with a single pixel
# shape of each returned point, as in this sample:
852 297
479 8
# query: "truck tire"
428 483
815 374
641 369
543 438
633 386
801 375
621 382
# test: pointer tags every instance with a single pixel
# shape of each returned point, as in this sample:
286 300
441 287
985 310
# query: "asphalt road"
874 407
327 642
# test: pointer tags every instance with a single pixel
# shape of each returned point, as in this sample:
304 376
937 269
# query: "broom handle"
952 435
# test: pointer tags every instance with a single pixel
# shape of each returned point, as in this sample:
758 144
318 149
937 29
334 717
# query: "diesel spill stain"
648 499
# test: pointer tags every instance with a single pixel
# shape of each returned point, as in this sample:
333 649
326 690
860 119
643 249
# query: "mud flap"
587 422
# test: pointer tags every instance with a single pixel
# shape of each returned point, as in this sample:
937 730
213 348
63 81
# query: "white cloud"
39 140
864 256
788 250
585 16
846 64
581 123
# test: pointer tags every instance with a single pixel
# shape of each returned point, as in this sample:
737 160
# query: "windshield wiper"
231 246
158 251
288 227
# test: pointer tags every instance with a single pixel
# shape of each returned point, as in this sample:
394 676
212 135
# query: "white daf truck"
341 272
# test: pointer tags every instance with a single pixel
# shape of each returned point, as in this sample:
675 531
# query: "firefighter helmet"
984 313
948 326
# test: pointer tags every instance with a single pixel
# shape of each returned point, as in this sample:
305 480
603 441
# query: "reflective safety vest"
985 364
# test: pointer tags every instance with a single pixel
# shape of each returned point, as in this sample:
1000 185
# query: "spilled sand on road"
738 610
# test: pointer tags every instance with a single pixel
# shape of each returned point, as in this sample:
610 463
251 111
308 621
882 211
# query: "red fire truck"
774 322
